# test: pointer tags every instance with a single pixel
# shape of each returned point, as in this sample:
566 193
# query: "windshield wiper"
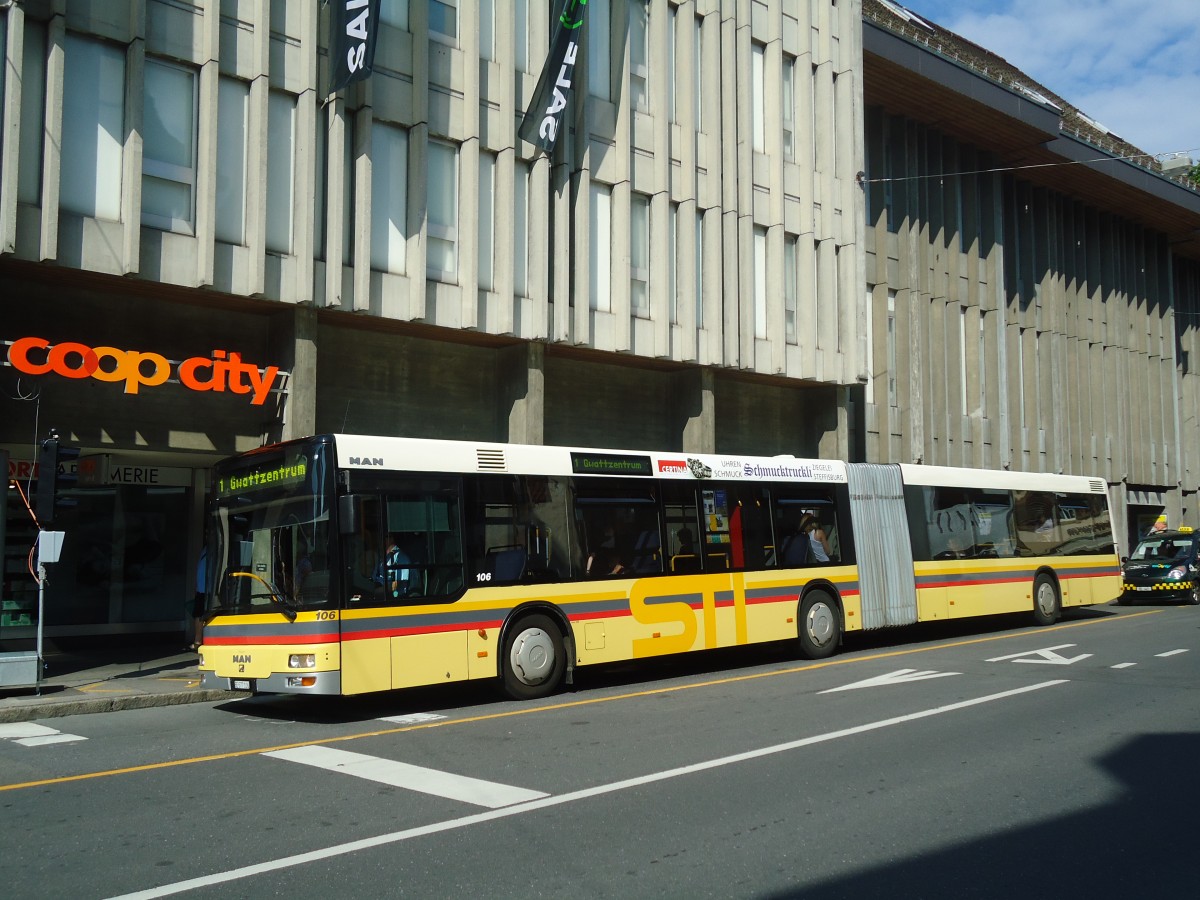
273 594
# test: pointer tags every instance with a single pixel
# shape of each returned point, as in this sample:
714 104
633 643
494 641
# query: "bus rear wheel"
820 625
1046 602
534 658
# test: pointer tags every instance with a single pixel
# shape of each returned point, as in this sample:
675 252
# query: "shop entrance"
123 568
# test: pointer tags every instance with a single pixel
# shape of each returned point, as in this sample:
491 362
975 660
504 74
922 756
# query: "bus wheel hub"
532 656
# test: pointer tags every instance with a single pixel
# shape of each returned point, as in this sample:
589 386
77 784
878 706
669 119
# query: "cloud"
1131 65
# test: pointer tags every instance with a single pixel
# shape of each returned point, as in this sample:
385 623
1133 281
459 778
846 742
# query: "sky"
1131 65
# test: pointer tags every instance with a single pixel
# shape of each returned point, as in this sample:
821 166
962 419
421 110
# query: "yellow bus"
344 564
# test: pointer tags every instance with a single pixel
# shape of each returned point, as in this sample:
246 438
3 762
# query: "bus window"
682 529
363 549
1086 527
1038 531
618 528
751 538
423 522
799 515
519 529
995 535
950 523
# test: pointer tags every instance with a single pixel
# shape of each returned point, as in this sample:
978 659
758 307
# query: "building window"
521 34
281 144
600 246
443 20
394 13
962 359
521 180
698 72
442 204
639 67
33 114
639 256
673 270
599 69
699 254
487 219
791 285
672 65
169 147
320 201
789 108
351 191
233 108
981 365
487 29
389 197
760 283
892 384
757 97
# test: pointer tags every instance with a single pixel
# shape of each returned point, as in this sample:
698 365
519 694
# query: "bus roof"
373 453
999 479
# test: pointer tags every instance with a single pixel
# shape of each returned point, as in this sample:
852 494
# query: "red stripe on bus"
238 641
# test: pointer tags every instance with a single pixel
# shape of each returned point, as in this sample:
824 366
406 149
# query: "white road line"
1170 653
412 718
30 734
49 739
395 837
1123 665
413 778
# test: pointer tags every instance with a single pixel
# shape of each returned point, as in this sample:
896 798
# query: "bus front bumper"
323 683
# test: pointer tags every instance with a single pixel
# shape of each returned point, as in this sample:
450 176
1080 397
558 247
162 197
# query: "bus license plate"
242 684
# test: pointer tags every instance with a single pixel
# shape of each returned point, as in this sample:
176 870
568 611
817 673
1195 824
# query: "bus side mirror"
349 513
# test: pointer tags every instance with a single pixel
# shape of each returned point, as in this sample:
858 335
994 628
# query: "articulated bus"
343 564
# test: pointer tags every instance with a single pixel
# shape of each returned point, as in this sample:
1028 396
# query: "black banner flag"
543 119
353 33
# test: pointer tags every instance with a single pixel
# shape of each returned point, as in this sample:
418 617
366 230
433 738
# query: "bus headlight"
302 661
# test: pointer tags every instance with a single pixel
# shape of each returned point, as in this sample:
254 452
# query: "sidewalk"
110 679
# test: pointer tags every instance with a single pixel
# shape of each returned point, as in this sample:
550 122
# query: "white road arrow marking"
1047 656
413 778
900 676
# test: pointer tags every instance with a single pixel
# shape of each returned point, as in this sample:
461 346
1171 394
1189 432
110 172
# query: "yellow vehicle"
343 564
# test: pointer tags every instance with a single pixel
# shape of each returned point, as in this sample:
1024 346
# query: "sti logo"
674 466
366 460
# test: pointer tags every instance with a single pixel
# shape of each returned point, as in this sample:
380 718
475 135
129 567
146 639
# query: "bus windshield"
270 533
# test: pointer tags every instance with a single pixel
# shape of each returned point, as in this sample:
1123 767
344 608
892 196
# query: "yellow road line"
732 679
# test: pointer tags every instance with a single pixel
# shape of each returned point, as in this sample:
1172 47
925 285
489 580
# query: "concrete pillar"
522 391
694 402
293 342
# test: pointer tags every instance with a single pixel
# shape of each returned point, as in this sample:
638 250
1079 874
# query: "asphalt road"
936 762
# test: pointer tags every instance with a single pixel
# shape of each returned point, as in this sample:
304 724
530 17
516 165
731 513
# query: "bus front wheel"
1046 603
534 658
820 626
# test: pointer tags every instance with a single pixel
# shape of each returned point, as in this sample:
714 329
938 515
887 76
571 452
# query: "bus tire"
820 627
1047 605
534 658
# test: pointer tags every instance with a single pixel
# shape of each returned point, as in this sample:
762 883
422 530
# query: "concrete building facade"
723 254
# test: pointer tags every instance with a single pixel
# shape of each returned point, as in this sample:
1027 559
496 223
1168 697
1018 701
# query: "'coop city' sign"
222 371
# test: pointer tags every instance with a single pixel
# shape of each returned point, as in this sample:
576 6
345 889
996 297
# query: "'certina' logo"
677 466
366 460
224 371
